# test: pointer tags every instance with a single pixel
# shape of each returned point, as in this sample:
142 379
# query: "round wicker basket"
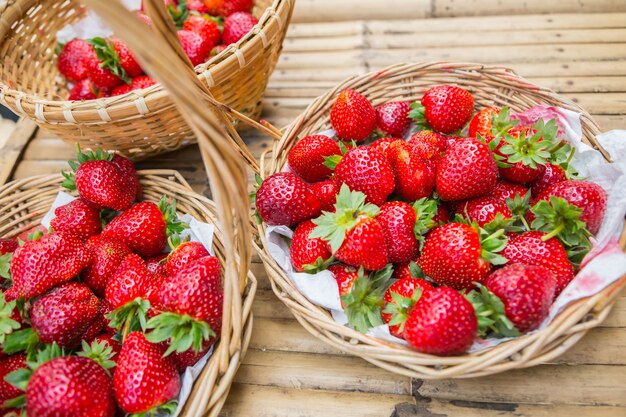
141 123
490 86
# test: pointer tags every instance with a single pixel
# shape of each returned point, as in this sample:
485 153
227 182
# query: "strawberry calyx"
182 331
166 409
174 225
501 123
416 271
179 13
400 307
364 302
219 20
519 207
7 324
490 313
333 160
130 316
425 212
349 207
533 147
258 181
5 265
320 264
23 340
109 58
499 222
99 352
418 115
81 158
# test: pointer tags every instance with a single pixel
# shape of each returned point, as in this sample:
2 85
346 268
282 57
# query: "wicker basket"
490 86
141 123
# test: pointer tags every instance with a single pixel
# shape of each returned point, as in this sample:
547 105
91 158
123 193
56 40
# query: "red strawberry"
414 178
355 237
308 254
143 17
405 270
326 193
145 227
102 78
144 379
429 145
515 299
109 341
236 26
206 28
398 220
365 169
85 90
382 145
307 157
218 49
352 116
126 58
107 254
142 81
184 255
98 323
197 6
65 386
442 323
8 245
457 256
74 59
504 190
550 175
284 199
482 122
191 302
8 365
400 299
446 108
530 248
78 218
392 118
345 275
64 314
128 169
483 210
156 264
121 89
228 7
189 357
42 264
467 169
196 48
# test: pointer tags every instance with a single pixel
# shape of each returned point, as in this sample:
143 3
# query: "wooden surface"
578 49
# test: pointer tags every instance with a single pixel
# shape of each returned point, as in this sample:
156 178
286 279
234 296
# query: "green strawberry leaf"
17 402
130 317
425 212
19 378
332 161
490 313
7 324
401 307
417 115
416 271
59 48
174 225
491 244
21 340
5 265
560 219
182 331
364 301
179 13
109 58
501 123
319 265
100 352
166 409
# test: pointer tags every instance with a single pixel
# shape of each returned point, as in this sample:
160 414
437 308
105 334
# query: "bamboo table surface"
576 48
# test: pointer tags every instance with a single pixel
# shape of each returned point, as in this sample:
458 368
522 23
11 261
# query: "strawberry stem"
553 233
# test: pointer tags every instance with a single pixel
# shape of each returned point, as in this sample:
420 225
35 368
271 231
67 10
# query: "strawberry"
64 314
467 169
114 56
228 7
8 245
102 349
236 26
142 81
144 18
184 255
78 218
398 220
429 145
74 59
42 264
65 386
98 323
550 174
400 299
309 254
409 270
382 145
85 90
428 215
365 169
107 255
8 365
197 6
361 294
156 264
103 78
326 193
284 199
514 299
206 28
414 178
217 50
126 58
352 116
458 255
532 248
191 303
307 157
121 89
392 118
482 123
189 357
144 380
504 190
442 323
195 47
483 210
445 108
145 227
355 237
109 342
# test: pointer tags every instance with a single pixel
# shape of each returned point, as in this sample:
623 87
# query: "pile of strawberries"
95 318
470 228
105 67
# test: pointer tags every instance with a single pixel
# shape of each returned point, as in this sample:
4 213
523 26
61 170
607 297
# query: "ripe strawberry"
392 118
103 78
365 169
126 58
228 7
284 199
98 323
45 263
428 215
206 28
65 386
326 193
429 145
457 255
482 122
309 254
382 145
398 220
191 302
504 190
197 6
530 248
400 299
142 81
8 245
156 264
121 89
107 255
409 270
144 379
144 18
189 357
446 108
145 227
108 341
483 210
74 59
184 255
442 323
236 26
414 178
352 116
8 365
84 90
195 47
78 218
307 157
550 175
467 169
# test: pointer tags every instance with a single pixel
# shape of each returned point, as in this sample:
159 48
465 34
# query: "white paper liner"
602 266
197 232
